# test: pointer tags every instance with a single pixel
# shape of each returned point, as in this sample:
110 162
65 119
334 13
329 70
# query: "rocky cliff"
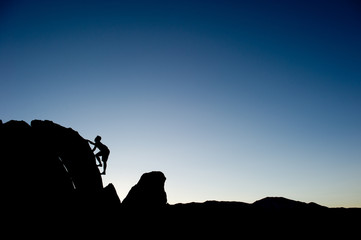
48 167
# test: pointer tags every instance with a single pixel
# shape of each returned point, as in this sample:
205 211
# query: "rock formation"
50 173
49 167
148 192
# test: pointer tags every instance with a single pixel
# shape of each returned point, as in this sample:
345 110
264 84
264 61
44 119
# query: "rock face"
47 166
71 150
148 192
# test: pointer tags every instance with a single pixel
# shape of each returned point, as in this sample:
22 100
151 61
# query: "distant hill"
51 183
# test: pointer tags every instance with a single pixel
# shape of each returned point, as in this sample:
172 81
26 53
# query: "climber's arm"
92 144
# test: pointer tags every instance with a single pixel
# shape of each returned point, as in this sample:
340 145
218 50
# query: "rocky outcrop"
48 167
148 192
71 150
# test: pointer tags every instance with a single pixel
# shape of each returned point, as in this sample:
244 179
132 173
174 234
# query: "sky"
231 100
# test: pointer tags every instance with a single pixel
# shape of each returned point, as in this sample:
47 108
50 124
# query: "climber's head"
98 138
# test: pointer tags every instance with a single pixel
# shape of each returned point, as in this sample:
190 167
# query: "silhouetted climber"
103 151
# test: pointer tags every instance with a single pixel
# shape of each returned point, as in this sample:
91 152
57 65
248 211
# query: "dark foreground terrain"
52 188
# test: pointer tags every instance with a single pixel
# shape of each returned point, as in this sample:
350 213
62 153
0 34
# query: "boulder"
148 192
72 151
48 168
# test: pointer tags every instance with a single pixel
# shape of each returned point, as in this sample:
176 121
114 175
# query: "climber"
103 151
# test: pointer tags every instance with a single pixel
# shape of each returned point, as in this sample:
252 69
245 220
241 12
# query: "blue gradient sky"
232 100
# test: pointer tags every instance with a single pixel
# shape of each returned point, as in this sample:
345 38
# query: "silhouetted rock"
110 199
51 182
148 192
281 203
49 169
73 151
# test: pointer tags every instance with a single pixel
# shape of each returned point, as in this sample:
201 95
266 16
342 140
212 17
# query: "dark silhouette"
148 192
103 152
55 180
56 186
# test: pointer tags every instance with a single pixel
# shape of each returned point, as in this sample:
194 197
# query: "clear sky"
232 100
